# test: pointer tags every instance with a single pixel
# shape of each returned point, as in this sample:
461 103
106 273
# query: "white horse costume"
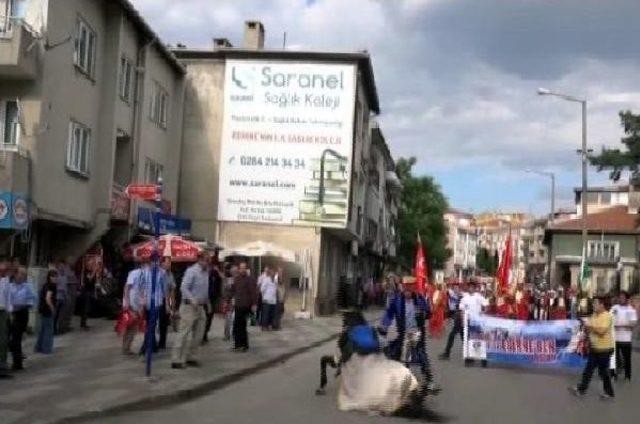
374 383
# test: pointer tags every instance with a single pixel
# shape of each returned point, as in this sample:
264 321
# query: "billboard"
287 143
546 344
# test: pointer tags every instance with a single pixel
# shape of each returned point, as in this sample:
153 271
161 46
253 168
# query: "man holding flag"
410 310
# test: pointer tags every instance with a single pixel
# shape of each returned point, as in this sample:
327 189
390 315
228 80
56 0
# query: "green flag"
585 271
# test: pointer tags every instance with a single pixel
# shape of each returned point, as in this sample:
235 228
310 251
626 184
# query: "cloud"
457 79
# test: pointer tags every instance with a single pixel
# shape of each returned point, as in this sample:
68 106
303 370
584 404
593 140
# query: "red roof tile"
613 220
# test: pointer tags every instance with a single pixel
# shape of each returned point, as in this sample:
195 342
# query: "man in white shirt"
473 303
625 319
132 302
261 278
195 300
269 292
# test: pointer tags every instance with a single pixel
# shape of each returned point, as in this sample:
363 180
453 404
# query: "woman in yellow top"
601 338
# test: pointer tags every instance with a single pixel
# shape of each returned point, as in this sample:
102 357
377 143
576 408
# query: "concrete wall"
202 132
162 145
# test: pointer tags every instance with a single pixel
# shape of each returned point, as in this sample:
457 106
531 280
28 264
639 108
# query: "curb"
166 399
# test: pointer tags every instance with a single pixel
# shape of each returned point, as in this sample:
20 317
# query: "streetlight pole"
584 152
552 176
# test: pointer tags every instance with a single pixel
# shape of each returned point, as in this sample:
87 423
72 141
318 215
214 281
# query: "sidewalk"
87 376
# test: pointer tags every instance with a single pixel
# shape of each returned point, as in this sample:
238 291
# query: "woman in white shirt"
625 319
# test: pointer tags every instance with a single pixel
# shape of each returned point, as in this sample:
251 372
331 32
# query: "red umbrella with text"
179 249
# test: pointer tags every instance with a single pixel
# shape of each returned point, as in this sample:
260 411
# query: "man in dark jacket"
244 293
215 290
410 311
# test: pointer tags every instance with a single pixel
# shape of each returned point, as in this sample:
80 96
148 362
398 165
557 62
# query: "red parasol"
179 249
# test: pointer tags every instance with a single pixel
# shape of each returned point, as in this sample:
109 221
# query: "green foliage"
421 211
486 261
615 160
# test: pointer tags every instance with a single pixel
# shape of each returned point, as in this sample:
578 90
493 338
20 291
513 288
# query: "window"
152 171
605 198
11 123
592 198
603 250
84 48
126 79
159 105
78 148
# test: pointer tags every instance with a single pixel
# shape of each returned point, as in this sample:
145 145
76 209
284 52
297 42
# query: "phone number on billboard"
288 163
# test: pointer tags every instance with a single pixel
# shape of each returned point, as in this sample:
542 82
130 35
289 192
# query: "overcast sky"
457 79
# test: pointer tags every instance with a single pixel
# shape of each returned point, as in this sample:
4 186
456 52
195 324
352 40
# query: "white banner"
287 143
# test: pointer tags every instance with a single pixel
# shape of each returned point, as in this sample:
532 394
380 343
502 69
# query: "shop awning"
258 249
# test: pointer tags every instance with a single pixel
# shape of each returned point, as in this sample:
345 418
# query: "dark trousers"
60 304
599 360
163 326
623 358
150 322
258 315
455 330
277 322
207 325
268 315
324 362
240 336
19 321
4 340
85 302
419 355
423 359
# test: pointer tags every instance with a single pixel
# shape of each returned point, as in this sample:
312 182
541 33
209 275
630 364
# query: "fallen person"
369 381
356 334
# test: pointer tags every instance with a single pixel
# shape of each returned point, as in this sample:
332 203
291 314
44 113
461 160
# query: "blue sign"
549 344
14 211
169 224
5 210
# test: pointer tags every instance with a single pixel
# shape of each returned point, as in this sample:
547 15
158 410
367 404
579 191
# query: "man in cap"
410 311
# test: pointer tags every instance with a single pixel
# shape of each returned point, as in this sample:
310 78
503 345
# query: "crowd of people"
418 313
186 304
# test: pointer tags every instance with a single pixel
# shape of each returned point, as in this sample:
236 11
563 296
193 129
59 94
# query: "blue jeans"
45 335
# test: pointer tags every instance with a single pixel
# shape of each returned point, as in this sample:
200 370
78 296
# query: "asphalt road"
285 394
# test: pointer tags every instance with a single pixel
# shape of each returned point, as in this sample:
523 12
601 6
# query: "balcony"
18 49
14 169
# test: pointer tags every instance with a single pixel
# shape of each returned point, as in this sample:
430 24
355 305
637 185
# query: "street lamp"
553 189
584 153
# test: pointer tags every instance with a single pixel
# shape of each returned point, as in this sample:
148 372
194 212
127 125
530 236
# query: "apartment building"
279 147
535 252
600 198
462 241
91 101
494 230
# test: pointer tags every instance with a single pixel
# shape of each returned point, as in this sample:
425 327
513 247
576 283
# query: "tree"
617 161
421 212
486 261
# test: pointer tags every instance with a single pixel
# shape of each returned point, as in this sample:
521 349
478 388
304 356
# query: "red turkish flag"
505 267
421 269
